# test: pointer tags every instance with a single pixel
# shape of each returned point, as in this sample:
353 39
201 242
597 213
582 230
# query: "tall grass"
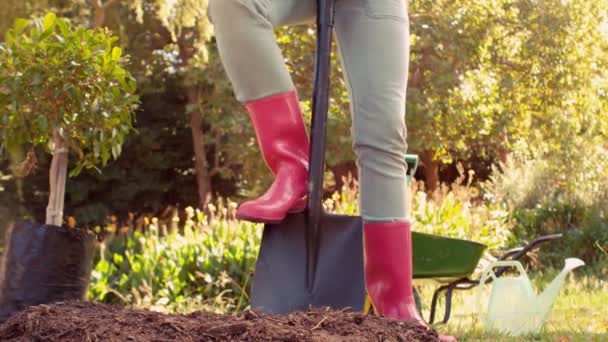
454 210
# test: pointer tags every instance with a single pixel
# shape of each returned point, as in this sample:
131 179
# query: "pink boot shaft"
281 135
389 270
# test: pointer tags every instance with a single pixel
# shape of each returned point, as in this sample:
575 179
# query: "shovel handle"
320 107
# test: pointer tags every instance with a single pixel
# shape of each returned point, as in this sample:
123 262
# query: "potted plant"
65 90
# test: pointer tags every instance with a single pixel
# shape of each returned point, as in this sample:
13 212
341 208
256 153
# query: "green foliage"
154 169
12 9
559 193
506 75
56 77
178 17
200 265
453 212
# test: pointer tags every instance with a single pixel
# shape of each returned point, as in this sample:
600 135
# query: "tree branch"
96 4
109 3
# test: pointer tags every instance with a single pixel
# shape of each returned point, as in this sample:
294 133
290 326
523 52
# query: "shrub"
206 264
557 194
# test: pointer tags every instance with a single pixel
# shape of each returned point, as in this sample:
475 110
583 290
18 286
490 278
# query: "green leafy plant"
64 89
202 263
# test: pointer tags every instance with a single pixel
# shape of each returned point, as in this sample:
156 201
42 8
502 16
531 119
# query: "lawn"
580 313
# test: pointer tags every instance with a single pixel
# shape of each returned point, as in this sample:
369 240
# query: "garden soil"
79 321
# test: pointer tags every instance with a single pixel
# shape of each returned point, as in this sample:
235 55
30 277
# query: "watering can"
514 308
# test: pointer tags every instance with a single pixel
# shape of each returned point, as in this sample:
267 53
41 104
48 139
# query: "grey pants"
373 41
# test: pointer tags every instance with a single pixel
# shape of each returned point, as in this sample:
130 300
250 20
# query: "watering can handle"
490 271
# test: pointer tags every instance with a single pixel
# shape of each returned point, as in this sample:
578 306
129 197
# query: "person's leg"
252 59
373 42
255 66
373 38
374 49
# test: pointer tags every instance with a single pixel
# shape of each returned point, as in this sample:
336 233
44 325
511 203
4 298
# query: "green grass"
580 313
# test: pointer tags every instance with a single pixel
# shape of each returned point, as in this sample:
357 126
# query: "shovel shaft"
320 105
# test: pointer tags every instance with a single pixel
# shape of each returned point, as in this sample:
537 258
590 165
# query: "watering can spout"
548 296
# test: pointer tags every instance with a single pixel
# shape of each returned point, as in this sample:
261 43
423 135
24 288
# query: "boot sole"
259 219
293 210
269 221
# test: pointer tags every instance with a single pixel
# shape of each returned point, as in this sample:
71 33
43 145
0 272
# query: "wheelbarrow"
452 261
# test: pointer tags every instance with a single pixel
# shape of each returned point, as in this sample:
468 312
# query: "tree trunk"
99 17
57 178
431 170
203 176
504 151
503 154
201 165
99 12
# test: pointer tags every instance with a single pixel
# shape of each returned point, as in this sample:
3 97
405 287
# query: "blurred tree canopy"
488 79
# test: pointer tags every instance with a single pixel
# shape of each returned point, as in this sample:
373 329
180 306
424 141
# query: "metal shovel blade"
281 284
312 258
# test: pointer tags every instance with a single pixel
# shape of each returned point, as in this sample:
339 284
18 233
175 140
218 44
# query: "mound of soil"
94 322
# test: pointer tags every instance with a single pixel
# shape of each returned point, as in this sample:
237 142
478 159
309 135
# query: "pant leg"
247 44
373 38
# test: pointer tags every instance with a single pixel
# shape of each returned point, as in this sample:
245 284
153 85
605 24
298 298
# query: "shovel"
313 258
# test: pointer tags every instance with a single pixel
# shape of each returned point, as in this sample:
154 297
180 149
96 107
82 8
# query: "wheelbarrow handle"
412 165
518 253
521 251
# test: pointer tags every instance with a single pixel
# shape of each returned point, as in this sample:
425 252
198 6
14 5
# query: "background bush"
557 193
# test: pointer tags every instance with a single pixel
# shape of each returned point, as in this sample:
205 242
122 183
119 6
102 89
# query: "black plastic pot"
44 264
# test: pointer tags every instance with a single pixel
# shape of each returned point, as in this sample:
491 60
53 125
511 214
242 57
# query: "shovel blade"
280 280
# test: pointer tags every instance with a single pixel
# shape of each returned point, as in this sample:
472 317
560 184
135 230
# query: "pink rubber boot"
388 271
281 135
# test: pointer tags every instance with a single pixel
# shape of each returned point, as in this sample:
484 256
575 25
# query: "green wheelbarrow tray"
442 257
437 256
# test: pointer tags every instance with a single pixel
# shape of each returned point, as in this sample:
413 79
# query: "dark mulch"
94 322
